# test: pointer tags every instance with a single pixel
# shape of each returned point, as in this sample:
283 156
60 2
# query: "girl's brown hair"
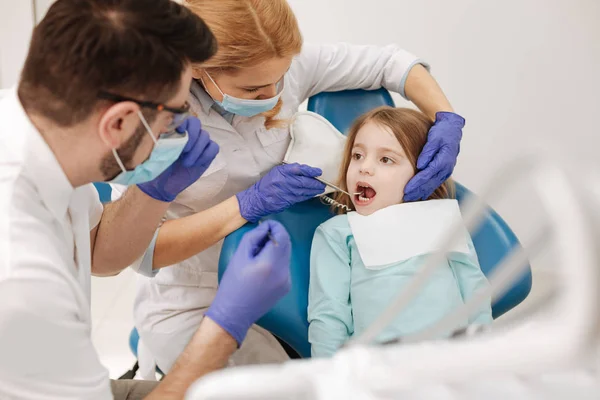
249 32
410 128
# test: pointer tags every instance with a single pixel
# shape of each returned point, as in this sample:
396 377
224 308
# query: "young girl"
360 261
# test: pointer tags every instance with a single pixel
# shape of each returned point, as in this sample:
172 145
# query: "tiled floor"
112 303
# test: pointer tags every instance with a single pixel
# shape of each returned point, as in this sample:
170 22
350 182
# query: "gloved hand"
258 276
194 160
282 187
438 158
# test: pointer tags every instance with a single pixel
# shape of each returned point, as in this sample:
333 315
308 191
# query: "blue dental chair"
288 320
104 191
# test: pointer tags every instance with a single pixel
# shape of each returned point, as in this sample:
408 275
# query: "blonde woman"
243 95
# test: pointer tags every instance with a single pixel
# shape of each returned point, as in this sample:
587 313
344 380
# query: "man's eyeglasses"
179 114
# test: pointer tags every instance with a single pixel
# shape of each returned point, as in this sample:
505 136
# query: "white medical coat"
46 350
169 307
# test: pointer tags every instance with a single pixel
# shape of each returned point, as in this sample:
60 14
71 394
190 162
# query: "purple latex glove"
282 187
194 160
438 158
257 276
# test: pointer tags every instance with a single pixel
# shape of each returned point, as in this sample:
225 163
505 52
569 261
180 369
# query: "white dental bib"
317 143
402 231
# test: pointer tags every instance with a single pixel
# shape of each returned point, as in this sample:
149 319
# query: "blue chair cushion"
288 319
104 191
342 108
134 339
493 241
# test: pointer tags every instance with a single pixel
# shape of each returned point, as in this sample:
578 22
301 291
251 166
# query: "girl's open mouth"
365 195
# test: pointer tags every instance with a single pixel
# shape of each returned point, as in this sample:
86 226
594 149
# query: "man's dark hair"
135 48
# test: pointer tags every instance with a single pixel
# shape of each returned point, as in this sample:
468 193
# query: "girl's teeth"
361 198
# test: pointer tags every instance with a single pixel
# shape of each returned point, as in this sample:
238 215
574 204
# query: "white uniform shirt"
169 307
46 350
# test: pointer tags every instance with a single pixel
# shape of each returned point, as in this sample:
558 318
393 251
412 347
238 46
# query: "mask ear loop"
213 82
114 151
147 126
148 129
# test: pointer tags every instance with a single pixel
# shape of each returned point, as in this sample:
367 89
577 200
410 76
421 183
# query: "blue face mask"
244 107
166 151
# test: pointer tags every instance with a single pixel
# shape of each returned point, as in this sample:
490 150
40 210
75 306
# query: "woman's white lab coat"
168 308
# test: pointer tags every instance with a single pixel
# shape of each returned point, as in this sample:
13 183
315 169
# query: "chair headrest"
317 143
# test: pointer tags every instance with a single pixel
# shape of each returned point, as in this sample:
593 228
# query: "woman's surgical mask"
165 152
245 107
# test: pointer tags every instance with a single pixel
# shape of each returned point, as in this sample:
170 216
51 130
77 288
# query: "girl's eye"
387 160
251 90
356 156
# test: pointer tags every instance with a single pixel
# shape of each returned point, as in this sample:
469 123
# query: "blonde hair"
410 128
249 32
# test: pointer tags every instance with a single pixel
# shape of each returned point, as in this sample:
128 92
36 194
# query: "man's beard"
110 168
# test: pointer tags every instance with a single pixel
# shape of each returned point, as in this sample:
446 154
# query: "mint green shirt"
345 297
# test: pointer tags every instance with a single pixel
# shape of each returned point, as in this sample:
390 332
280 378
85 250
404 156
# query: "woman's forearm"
185 237
423 90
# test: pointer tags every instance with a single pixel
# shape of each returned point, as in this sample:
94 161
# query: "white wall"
16 24
524 73
17 19
41 6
